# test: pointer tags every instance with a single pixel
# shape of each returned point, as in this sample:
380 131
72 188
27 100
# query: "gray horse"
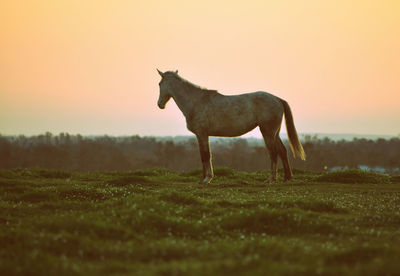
208 113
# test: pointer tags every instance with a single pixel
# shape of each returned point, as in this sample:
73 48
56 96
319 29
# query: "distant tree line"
79 153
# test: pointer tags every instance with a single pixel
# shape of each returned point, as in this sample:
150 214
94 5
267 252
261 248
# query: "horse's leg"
204 147
270 143
284 157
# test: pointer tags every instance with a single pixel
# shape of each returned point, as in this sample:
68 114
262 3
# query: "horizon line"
189 135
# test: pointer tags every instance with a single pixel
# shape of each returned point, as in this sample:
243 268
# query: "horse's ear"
161 73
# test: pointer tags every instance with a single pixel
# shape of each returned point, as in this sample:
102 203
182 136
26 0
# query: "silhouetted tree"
78 153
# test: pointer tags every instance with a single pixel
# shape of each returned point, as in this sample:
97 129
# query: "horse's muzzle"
160 105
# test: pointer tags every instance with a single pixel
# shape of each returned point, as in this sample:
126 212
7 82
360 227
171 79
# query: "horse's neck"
186 98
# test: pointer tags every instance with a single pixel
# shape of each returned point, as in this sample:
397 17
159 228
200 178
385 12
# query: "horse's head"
165 88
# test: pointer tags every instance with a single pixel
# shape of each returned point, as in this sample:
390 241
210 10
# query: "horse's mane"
188 83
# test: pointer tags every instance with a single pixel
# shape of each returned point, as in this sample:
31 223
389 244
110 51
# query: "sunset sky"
89 67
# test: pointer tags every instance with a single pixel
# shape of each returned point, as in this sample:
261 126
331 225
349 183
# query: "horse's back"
261 104
266 102
234 115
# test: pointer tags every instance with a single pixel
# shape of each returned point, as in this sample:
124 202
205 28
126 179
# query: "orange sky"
89 66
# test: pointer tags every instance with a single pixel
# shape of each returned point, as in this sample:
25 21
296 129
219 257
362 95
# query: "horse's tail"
294 141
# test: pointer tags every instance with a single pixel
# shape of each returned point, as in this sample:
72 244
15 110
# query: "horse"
209 113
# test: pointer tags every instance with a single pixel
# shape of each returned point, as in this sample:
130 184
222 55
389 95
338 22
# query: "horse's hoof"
270 181
205 181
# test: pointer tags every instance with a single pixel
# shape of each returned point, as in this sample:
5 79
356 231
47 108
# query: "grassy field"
158 222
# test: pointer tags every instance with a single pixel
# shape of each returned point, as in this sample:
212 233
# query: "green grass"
354 176
159 222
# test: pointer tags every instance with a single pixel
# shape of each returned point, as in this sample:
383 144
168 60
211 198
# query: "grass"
354 176
160 222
